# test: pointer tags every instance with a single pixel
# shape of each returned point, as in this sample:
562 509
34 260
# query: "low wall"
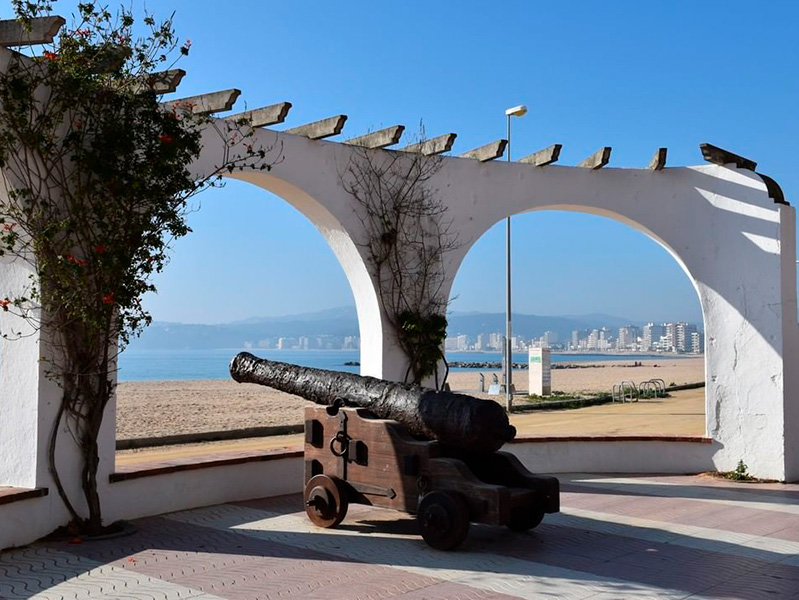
623 454
141 492
185 489
25 521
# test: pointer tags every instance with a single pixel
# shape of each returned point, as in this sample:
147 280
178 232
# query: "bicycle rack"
653 388
626 391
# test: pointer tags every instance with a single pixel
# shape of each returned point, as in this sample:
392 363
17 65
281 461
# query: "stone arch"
346 251
735 243
608 214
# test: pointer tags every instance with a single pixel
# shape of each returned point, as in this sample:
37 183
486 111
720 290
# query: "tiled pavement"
617 537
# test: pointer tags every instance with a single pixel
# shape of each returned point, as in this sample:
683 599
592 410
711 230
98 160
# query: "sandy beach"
157 408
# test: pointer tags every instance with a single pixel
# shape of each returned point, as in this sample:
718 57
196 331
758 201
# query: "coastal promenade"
665 537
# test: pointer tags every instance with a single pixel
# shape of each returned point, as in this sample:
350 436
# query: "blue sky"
631 75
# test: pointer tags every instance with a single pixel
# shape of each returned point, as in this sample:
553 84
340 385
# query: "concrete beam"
320 129
165 82
207 104
597 160
719 156
381 138
436 145
42 31
488 152
110 59
547 156
658 160
266 115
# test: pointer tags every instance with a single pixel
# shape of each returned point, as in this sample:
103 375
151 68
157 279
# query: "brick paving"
616 537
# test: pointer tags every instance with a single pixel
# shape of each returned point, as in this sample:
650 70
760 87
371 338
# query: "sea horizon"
195 364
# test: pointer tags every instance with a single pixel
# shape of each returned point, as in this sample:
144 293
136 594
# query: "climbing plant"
95 188
407 239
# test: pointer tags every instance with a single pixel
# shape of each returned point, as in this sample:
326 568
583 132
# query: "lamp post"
516 111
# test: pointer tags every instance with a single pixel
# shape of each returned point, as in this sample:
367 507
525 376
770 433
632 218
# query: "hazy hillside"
341 322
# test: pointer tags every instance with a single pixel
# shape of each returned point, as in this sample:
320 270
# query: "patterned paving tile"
617 537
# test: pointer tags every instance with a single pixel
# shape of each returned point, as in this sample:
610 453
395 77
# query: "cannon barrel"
458 420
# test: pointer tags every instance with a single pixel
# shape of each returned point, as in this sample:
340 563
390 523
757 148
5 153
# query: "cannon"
430 454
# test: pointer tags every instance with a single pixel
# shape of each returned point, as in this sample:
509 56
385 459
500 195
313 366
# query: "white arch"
348 255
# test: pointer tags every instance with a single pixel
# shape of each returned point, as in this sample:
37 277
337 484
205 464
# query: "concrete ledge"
611 438
490 151
616 454
658 161
381 138
151 469
209 436
720 156
165 82
226 459
321 129
544 157
433 146
597 160
207 104
266 115
9 495
562 404
42 31
210 483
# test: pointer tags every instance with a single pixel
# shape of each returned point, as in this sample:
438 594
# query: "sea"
164 365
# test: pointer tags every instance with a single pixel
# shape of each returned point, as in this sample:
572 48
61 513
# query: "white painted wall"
736 245
615 457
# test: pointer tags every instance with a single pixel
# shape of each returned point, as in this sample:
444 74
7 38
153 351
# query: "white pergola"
727 226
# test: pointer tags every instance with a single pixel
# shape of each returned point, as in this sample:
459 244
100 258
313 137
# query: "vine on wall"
95 186
408 237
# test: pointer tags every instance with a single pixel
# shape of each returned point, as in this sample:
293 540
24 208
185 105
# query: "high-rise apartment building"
628 337
548 339
479 344
697 345
684 333
651 336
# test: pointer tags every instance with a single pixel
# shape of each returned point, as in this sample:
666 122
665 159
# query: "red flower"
100 248
4 303
165 138
9 226
84 33
108 298
70 258
81 262
50 55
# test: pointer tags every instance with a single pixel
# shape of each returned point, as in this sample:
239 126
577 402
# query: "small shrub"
741 473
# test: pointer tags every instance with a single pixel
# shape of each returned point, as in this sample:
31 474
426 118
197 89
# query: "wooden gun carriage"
433 454
353 457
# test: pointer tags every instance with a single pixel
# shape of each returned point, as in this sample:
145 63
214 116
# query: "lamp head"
516 111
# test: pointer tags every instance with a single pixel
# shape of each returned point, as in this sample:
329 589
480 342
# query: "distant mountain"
343 312
342 322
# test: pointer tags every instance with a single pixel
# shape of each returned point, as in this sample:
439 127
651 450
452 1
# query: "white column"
540 372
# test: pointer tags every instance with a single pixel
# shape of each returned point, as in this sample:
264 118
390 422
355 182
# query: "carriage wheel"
444 520
325 501
525 518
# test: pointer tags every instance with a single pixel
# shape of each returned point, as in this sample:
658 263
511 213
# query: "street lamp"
516 111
